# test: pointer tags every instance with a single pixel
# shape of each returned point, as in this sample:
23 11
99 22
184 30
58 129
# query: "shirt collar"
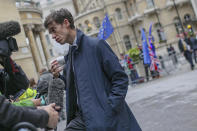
75 42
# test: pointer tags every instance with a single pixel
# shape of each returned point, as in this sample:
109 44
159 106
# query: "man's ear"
66 22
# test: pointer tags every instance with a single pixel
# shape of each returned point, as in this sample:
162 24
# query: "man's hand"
55 68
53 115
36 102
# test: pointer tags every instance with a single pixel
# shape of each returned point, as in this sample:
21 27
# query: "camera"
7 46
12 78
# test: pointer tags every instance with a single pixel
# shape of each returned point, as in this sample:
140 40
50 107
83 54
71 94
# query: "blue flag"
106 29
145 49
151 40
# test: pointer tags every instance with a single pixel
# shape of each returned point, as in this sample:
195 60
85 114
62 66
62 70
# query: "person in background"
175 60
194 46
43 84
185 47
31 92
45 75
96 84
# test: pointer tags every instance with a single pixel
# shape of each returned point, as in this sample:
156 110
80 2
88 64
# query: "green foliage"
134 54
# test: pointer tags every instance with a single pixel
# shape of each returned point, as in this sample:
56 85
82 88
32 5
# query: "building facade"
31 18
128 17
33 51
91 14
165 19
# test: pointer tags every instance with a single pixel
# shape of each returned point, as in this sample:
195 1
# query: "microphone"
56 93
8 29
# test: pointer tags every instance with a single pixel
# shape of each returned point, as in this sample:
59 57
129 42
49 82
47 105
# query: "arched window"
51 52
88 26
97 22
160 32
80 26
118 13
177 25
127 42
187 17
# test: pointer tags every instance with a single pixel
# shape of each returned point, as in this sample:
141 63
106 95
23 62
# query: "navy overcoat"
101 85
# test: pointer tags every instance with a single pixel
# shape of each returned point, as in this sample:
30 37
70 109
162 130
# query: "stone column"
44 43
34 49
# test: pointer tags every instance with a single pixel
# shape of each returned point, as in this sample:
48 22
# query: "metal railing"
168 65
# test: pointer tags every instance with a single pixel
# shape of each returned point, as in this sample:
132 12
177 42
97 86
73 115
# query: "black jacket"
180 44
10 115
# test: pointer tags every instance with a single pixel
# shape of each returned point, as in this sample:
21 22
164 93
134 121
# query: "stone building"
165 19
91 14
33 51
129 16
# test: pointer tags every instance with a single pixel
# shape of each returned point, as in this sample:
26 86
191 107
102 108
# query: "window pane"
88 26
149 3
97 22
127 42
51 52
177 25
48 39
119 13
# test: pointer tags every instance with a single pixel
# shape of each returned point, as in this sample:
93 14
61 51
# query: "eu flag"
145 48
106 29
151 40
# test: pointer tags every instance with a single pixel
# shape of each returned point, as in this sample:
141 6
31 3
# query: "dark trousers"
195 55
188 57
146 67
133 75
77 124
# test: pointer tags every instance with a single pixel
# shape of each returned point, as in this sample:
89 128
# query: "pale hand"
53 115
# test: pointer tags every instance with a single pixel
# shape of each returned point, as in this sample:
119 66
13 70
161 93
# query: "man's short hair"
42 71
59 16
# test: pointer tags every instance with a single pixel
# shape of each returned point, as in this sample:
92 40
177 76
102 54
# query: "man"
185 47
95 81
45 75
194 46
172 54
43 84
10 115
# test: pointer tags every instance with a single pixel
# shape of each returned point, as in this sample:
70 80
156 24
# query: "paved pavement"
166 104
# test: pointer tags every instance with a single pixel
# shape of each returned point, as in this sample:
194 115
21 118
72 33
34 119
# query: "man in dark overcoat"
96 84
185 47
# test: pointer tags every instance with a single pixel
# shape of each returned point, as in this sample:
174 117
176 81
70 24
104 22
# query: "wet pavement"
166 104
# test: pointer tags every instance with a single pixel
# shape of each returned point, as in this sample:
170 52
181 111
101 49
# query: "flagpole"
116 42
118 31
178 15
113 37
